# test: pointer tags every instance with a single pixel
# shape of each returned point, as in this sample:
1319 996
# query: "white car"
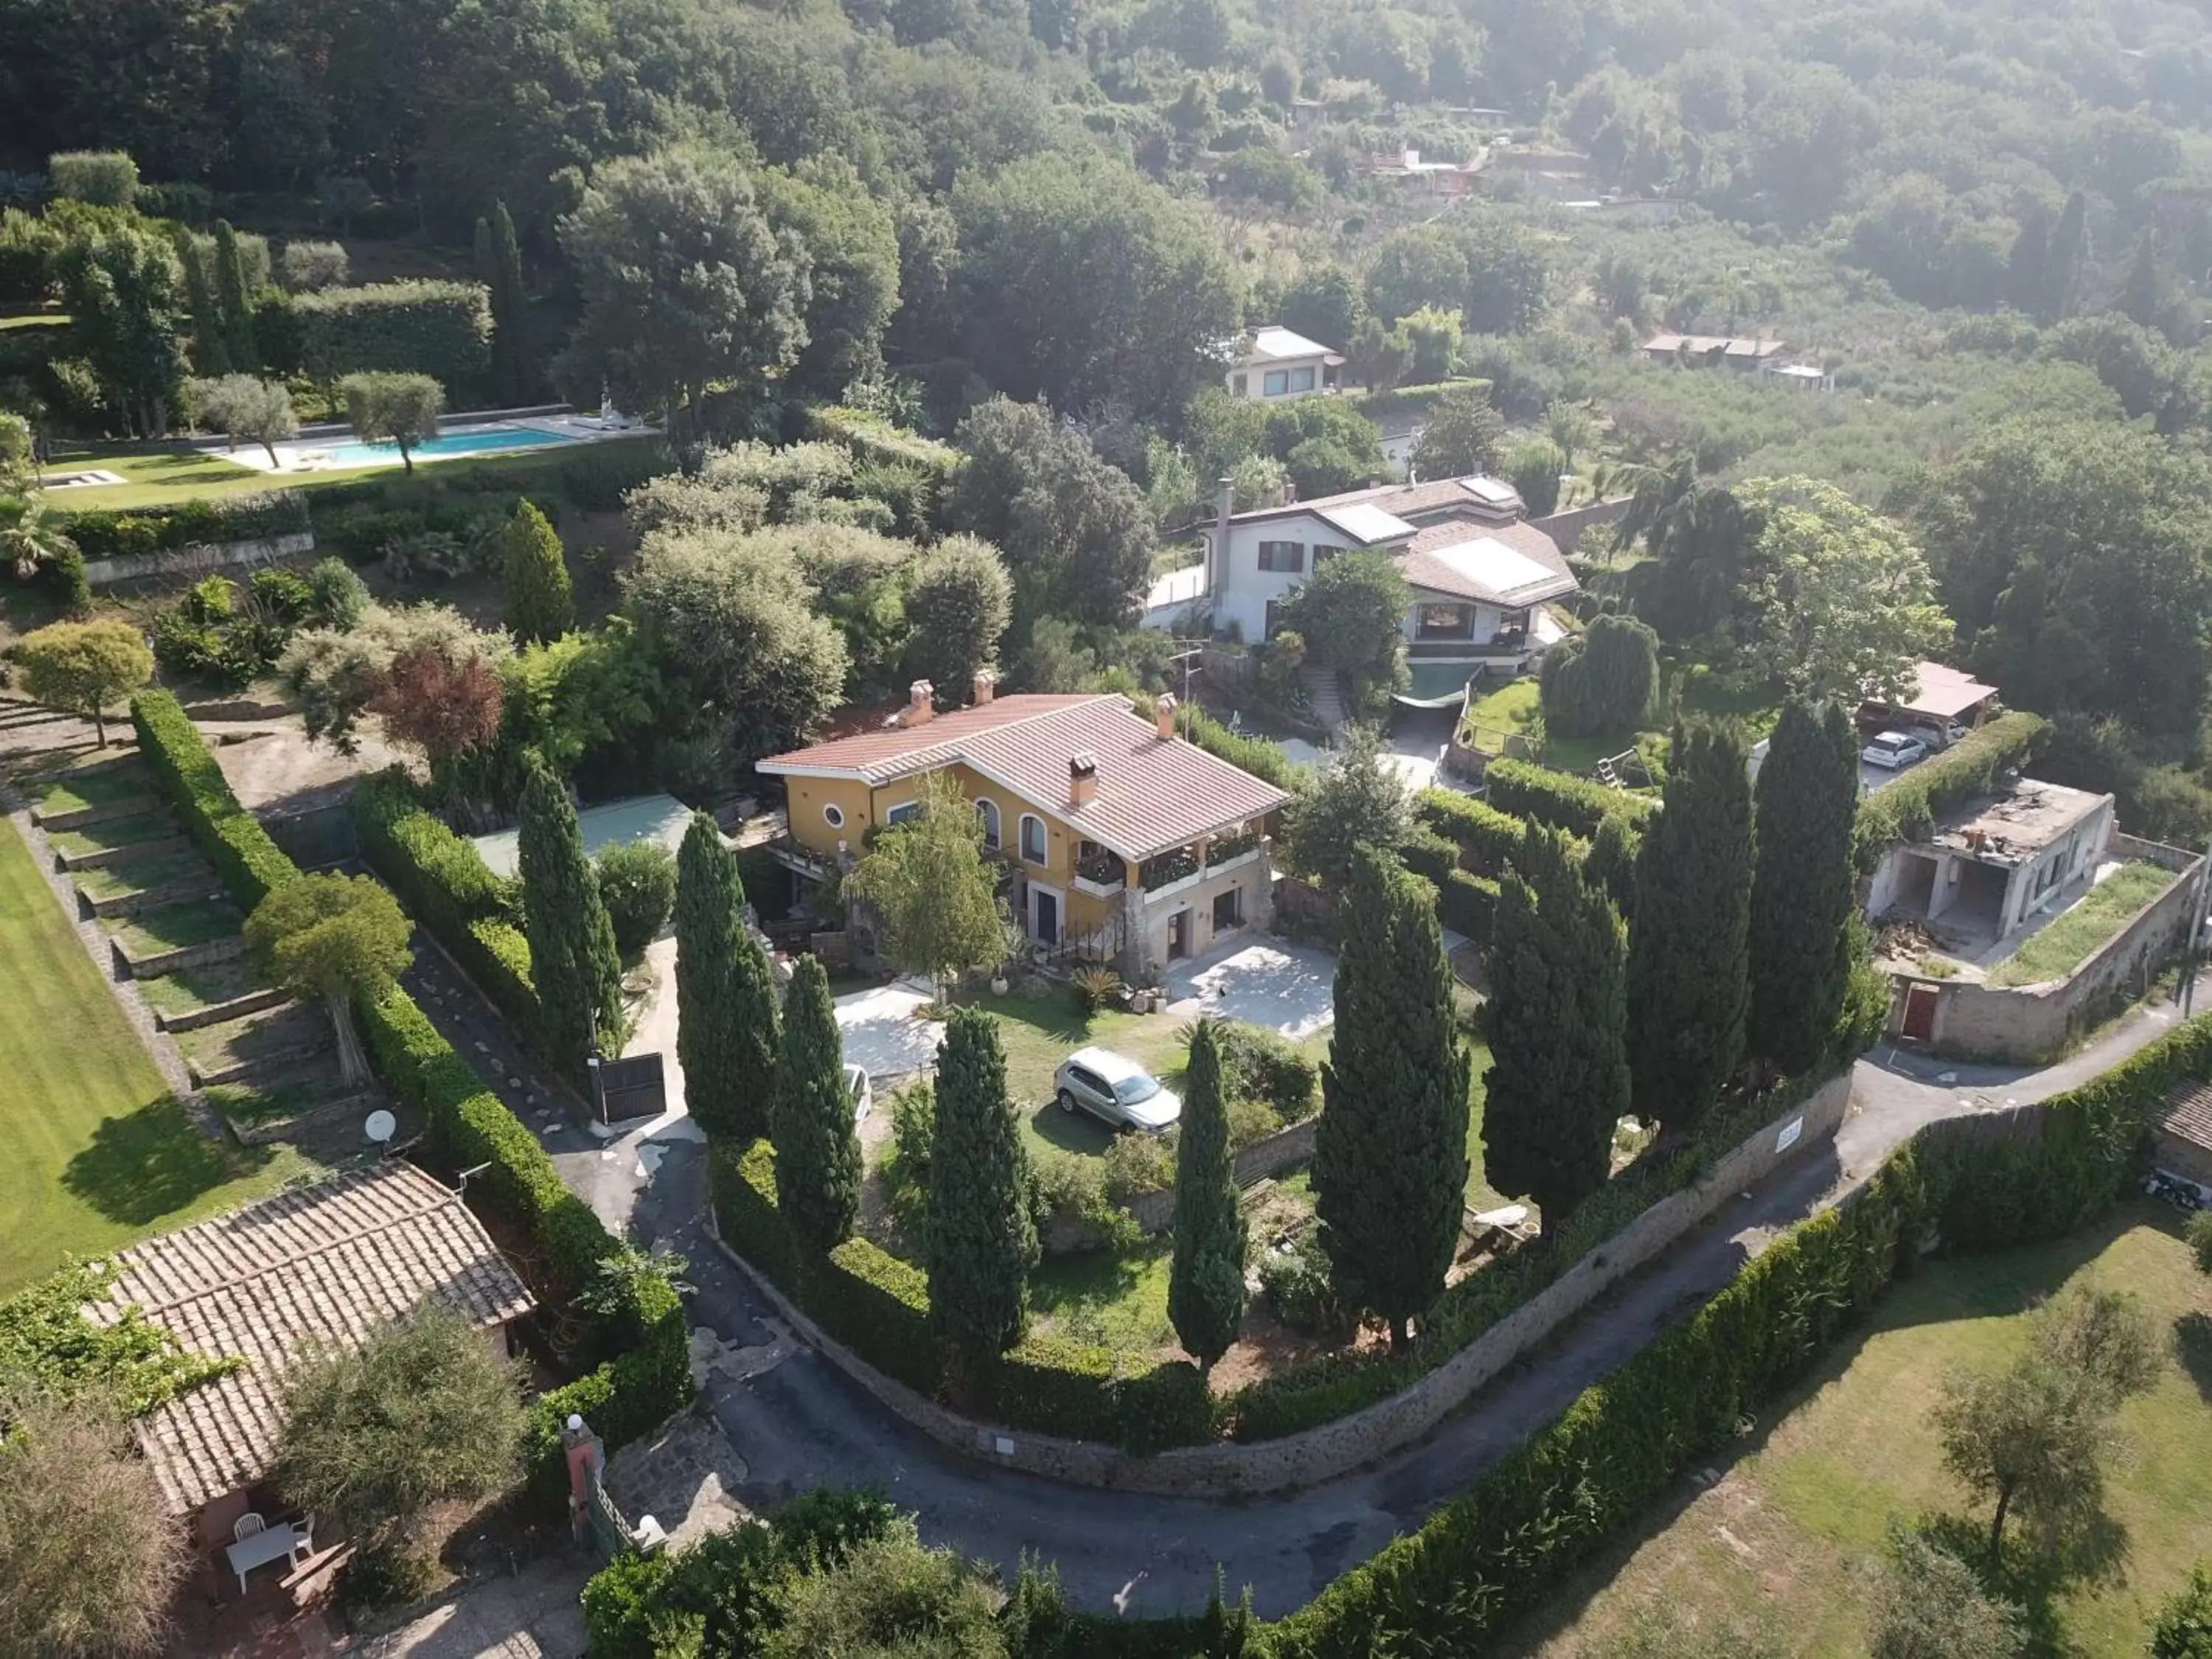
1116 1090
1894 750
859 1085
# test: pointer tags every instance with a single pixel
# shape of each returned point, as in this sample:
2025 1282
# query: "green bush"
875 441
411 327
597 480
883 1303
262 515
637 884
1485 837
248 862
1266 1066
1262 759
1907 808
1525 790
104 178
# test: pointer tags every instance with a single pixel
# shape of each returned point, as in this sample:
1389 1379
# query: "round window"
834 815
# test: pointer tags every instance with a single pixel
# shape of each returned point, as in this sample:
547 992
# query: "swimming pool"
477 440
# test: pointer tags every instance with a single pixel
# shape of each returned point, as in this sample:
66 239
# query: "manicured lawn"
2065 944
1118 1301
97 1154
174 927
1516 709
194 988
1785 1538
141 870
114 832
100 781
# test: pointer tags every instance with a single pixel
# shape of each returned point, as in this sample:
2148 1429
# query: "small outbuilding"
2181 1135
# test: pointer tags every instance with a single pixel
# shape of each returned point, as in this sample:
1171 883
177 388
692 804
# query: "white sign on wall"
1787 1136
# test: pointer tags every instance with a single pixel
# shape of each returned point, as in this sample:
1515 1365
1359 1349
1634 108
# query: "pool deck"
317 455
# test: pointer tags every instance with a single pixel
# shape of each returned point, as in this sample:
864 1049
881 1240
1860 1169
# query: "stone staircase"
1325 696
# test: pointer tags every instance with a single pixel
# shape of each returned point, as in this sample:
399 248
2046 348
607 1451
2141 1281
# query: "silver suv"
1116 1090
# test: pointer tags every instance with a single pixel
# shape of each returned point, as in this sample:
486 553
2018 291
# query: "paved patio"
882 1034
1286 987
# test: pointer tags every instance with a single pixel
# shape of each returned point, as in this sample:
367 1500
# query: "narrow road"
803 1424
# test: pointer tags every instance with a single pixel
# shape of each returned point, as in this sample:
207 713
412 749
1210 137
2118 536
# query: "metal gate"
633 1088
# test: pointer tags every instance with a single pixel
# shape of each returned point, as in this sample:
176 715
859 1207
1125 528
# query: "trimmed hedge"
872 438
412 327
879 1306
446 885
1485 836
262 515
250 864
1525 790
1263 760
1906 810
1503 1547
649 1376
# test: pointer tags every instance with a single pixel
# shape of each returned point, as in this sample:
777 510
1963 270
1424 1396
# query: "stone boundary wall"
199 561
1566 528
2027 1024
1230 1468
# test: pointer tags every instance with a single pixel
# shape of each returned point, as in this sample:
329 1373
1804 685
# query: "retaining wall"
83 818
170 962
2029 1024
94 857
220 1013
199 561
150 898
1229 1468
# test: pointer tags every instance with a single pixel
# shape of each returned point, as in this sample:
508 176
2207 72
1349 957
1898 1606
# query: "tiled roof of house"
1505 564
318 1266
1475 493
1275 343
1152 793
2188 1114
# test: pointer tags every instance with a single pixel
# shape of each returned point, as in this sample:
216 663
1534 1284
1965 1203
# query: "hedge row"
1262 759
872 438
445 884
1526 790
1409 399
1465 902
1503 1547
649 1375
878 1307
1485 836
414 327
231 838
1906 809
262 515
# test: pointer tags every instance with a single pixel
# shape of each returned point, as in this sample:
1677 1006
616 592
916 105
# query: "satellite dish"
381 1127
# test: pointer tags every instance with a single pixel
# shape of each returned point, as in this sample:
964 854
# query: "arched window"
1032 838
986 815
833 815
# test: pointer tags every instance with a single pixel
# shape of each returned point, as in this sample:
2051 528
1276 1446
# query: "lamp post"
593 1058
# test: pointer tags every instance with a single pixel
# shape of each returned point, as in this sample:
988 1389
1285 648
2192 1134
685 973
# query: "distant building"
1452 178
1989 867
1273 363
1941 697
1538 170
1738 352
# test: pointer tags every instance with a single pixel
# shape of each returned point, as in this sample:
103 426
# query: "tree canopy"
932 895
86 668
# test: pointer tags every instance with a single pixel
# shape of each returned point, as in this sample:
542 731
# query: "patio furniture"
248 1524
259 1548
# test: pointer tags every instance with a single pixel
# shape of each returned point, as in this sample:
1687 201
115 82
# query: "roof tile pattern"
1153 793
321 1267
2188 1114
1421 567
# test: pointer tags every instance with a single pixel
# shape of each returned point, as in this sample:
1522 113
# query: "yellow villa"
1122 841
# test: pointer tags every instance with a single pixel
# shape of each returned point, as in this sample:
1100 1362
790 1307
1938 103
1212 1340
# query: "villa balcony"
1102 875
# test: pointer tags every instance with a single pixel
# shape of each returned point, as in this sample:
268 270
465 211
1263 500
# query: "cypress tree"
2069 251
234 301
1801 891
210 350
1558 1080
726 1019
817 1154
1689 986
1390 1150
2026 267
499 262
572 943
1206 1281
539 605
979 1241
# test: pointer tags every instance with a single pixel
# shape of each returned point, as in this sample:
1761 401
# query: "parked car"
1116 1090
862 1088
1895 750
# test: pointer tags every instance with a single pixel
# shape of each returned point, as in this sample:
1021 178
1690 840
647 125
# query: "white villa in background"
1272 362
1481 573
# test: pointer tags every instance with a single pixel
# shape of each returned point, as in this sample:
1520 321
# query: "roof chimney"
1217 551
918 706
1164 714
1082 779
986 686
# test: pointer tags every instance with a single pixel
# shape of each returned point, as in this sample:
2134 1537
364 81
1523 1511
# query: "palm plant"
32 538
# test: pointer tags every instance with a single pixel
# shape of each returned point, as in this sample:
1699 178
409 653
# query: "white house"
1273 363
1480 572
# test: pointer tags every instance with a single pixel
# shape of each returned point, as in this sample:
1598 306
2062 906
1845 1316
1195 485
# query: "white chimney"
987 687
1164 714
920 706
1217 551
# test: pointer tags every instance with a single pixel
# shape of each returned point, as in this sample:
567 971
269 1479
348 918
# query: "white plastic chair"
249 1523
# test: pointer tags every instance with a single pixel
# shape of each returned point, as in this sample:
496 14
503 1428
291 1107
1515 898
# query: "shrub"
310 267
246 861
104 178
411 327
263 515
1526 790
1095 987
1073 1189
2200 1240
1138 1163
1486 838
1250 1121
637 884
1266 1066
597 480
1297 1285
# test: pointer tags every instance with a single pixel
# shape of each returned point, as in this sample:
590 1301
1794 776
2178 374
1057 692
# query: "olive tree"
86 668
399 409
341 938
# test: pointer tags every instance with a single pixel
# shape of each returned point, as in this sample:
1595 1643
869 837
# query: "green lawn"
135 873
2065 944
174 927
194 988
1516 708
1784 1539
100 780
97 1154
114 832
1118 1301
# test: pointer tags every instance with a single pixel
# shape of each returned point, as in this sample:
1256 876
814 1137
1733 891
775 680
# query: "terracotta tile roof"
2188 1116
1531 570
1404 501
322 1266
1153 793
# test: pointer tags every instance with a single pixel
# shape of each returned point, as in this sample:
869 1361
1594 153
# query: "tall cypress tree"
210 349
1206 1281
1390 1150
1689 987
538 603
726 1019
1558 1081
981 1242
1801 891
499 262
2070 253
818 1155
572 943
235 302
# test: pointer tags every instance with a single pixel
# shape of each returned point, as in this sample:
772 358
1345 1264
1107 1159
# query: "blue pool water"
475 441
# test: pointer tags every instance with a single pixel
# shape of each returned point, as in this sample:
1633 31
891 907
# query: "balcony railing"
1158 872
1224 848
1102 874
1493 650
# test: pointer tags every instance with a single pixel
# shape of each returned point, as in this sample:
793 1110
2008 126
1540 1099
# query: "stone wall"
175 962
198 560
2025 1024
1322 1454
1566 528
